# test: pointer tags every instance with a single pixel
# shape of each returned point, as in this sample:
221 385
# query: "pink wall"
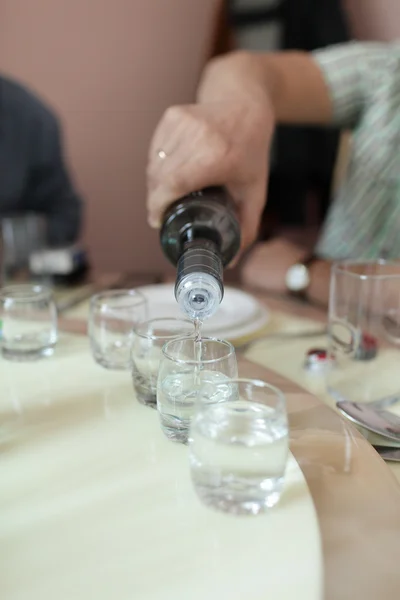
110 68
374 19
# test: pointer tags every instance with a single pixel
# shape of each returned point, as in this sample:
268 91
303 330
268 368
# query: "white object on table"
240 314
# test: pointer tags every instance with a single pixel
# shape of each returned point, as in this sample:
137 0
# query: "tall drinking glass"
188 366
21 235
364 331
112 317
149 338
28 322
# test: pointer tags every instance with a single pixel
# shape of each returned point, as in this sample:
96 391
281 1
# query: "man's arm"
267 265
320 277
225 138
291 82
329 85
49 188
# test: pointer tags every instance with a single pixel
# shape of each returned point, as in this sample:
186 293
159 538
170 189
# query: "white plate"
239 315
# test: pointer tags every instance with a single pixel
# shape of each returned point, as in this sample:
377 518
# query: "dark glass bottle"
200 235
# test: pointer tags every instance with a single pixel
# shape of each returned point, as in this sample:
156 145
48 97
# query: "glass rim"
25 292
205 410
343 267
170 336
192 361
258 383
115 293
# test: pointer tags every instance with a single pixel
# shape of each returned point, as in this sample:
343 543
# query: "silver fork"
374 415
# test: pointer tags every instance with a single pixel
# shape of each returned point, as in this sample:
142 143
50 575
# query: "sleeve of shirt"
351 72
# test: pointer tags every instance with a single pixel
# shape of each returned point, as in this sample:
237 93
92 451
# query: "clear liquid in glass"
177 394
238 454
144 375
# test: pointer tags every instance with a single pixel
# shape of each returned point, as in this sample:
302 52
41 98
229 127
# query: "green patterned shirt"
364 218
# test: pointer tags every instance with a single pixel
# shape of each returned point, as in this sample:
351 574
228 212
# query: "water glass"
148 339
28 322
21 235
364 330
238 447
112 317
188 365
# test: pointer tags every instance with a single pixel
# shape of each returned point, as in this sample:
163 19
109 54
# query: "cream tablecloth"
97 503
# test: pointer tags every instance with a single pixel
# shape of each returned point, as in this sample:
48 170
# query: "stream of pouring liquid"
197 351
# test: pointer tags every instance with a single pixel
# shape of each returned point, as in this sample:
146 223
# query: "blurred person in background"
33 175
302 158
225 138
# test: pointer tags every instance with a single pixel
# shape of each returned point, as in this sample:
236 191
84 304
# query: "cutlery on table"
373 416
389 453
283 335
103 283
84 293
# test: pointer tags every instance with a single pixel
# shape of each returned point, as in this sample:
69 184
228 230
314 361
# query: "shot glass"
188 365
28 322
238 446
149 338
112 317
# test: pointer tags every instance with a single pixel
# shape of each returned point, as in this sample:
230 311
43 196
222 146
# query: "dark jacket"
33 175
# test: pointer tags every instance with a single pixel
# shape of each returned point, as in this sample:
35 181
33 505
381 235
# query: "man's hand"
225 138
267 265
221 143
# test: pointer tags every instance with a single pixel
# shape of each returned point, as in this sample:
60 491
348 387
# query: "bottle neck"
199 283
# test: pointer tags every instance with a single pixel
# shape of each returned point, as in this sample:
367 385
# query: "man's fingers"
178 181
202 145
182 172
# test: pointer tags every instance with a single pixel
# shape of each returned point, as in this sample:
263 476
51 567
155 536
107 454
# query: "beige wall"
374 19
110 68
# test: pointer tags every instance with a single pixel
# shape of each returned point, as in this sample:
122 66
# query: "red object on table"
318 360
368 347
